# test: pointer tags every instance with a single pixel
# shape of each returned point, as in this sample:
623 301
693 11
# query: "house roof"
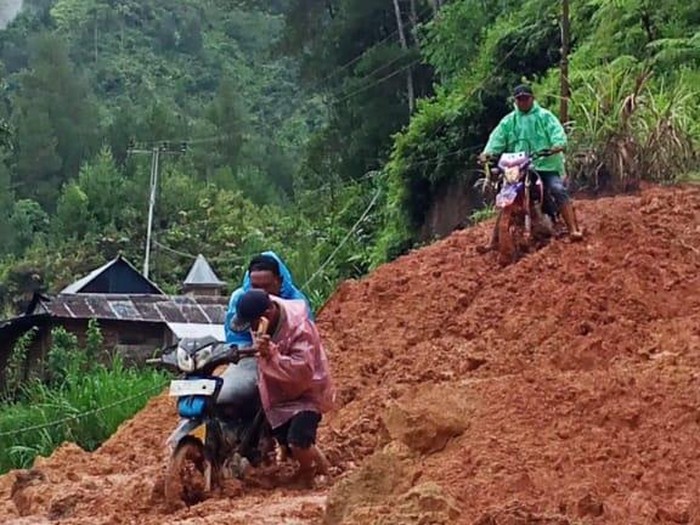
136 308
201 274
116 276
197 330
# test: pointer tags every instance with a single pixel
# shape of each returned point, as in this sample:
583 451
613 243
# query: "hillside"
559 390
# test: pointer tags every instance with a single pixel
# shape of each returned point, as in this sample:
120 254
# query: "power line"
81 415
373 46
371 85
340 96
345 239
174 251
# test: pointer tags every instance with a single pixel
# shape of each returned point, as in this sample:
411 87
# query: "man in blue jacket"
265 272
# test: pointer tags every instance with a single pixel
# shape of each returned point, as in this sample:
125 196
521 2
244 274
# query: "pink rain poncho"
295 377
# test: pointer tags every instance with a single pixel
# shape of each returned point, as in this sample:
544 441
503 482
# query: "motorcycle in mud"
526 209
223 429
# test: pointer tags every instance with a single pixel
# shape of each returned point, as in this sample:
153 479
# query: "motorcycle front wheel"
511 235
188 476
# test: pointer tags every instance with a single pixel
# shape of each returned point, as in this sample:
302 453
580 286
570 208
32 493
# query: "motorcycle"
223 430
526 209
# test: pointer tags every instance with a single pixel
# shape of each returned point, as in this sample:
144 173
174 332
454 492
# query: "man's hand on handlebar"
550 151
262 343
239 353
484 158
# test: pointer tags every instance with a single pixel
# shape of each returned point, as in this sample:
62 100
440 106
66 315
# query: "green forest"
322 130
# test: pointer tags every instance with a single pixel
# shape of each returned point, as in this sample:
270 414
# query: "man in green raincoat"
530 127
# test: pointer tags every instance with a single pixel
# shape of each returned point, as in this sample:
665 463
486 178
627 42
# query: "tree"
404 45
27 221
55 120
227 114
38 163
105 189
70 14
362 58
6 205
73 220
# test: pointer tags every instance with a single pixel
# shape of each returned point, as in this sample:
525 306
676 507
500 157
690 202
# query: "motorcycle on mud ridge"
223 429
526 209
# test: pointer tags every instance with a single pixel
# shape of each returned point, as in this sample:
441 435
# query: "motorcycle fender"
183 428
506 196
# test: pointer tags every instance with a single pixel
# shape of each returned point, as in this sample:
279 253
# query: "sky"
8 11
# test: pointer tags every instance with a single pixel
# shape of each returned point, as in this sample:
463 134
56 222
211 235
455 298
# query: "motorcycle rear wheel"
186 475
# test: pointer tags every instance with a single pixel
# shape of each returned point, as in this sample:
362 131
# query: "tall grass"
629 126
80 401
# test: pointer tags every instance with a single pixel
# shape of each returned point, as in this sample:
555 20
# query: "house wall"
36 350
135 342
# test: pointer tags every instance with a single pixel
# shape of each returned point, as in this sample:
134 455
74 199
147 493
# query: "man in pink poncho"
294 378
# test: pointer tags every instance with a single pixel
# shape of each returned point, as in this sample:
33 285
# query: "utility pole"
564 73
155 152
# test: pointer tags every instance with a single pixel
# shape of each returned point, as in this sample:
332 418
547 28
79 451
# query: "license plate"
506 196
200 432
192 387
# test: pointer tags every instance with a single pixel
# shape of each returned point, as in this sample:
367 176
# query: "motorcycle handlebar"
235 353
246 352
546 152
542 153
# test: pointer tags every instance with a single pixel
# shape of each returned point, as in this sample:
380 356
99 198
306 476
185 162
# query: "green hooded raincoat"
533 131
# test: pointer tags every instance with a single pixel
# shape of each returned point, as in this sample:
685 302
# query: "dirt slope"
561 390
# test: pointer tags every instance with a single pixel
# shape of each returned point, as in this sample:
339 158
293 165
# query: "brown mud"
564 389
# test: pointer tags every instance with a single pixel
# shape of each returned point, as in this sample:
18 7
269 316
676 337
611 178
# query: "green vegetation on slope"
78 400
633 72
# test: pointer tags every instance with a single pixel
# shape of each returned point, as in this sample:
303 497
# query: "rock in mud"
679 511
589 505
384 476
425 503
26 492
517 513
427 419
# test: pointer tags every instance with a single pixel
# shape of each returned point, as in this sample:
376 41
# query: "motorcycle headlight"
184 360
512 174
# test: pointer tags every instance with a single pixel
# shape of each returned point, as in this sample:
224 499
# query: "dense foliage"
84 78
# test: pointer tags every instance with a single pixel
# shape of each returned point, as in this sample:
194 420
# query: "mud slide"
564 389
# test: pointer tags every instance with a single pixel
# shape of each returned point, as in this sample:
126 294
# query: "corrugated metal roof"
201 274
148 308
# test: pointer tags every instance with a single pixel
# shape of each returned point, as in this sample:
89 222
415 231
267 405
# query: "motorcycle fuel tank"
240 383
